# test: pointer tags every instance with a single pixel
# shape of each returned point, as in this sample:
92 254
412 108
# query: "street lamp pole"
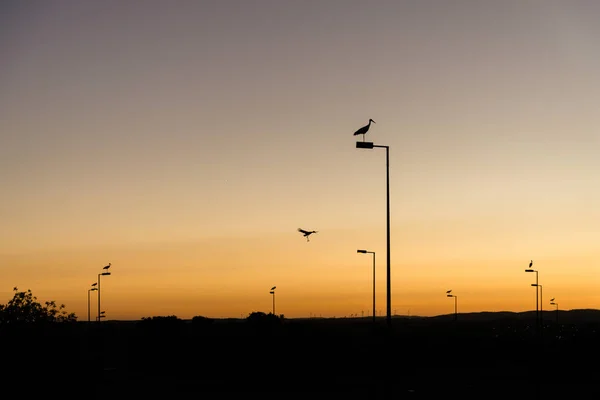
273 293
371 252
90 290
537 315
370 145
100 275
455 304
555 304
541 307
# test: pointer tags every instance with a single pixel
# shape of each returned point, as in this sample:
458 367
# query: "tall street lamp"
552 302
448 294
90 290
273 293
537 315
105 273
370 145
371 252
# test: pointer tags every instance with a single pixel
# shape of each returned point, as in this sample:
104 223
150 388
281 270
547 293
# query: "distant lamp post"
273 293
552 302
537 315
102 315
106 273
449 294
371 145
541 318
371 252
91 290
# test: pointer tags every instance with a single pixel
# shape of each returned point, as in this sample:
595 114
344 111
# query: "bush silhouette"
161 324
259 318
199 321
24 309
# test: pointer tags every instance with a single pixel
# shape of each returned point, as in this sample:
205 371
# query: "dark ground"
307 358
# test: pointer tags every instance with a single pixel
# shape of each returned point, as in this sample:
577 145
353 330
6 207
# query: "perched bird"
364 129
107 267
448 291
531 264
306 233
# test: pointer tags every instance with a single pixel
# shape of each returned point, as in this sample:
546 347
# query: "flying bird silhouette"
107 267
306 233
364 129
552 299
274 287
448 291
94 284
531 264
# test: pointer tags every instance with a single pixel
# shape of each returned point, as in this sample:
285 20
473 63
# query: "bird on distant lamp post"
364 129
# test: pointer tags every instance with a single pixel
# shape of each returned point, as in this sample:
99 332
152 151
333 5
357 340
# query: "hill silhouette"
481 355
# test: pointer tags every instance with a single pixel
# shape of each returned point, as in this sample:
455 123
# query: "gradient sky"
186 141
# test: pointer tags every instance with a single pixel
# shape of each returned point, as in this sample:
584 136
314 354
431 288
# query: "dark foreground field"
417 358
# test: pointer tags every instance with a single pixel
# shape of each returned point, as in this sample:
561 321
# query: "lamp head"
364 145
105 273
361 251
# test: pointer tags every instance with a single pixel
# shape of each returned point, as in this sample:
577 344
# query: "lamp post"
537 315
106 273
455 303
273 293
371 252
552 302
90 290
540 318
370 145
101 315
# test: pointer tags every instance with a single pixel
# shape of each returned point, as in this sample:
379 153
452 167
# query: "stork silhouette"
364 129
107 267
306 233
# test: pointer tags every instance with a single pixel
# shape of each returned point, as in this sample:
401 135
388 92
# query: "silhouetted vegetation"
24 308
168 324
201 322
260 318
325 354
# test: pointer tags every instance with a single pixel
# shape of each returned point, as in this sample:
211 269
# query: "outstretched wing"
302 230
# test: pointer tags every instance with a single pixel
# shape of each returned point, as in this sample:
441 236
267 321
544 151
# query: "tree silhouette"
24 308
260 318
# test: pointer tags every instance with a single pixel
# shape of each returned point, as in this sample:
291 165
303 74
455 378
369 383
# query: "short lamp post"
371 252
106 273
91 290
553 303
448 294
541 318
537 315
272 292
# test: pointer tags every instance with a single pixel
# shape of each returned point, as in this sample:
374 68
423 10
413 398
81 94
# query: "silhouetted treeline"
343 354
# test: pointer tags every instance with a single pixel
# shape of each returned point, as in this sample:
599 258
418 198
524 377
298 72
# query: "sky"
185 142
